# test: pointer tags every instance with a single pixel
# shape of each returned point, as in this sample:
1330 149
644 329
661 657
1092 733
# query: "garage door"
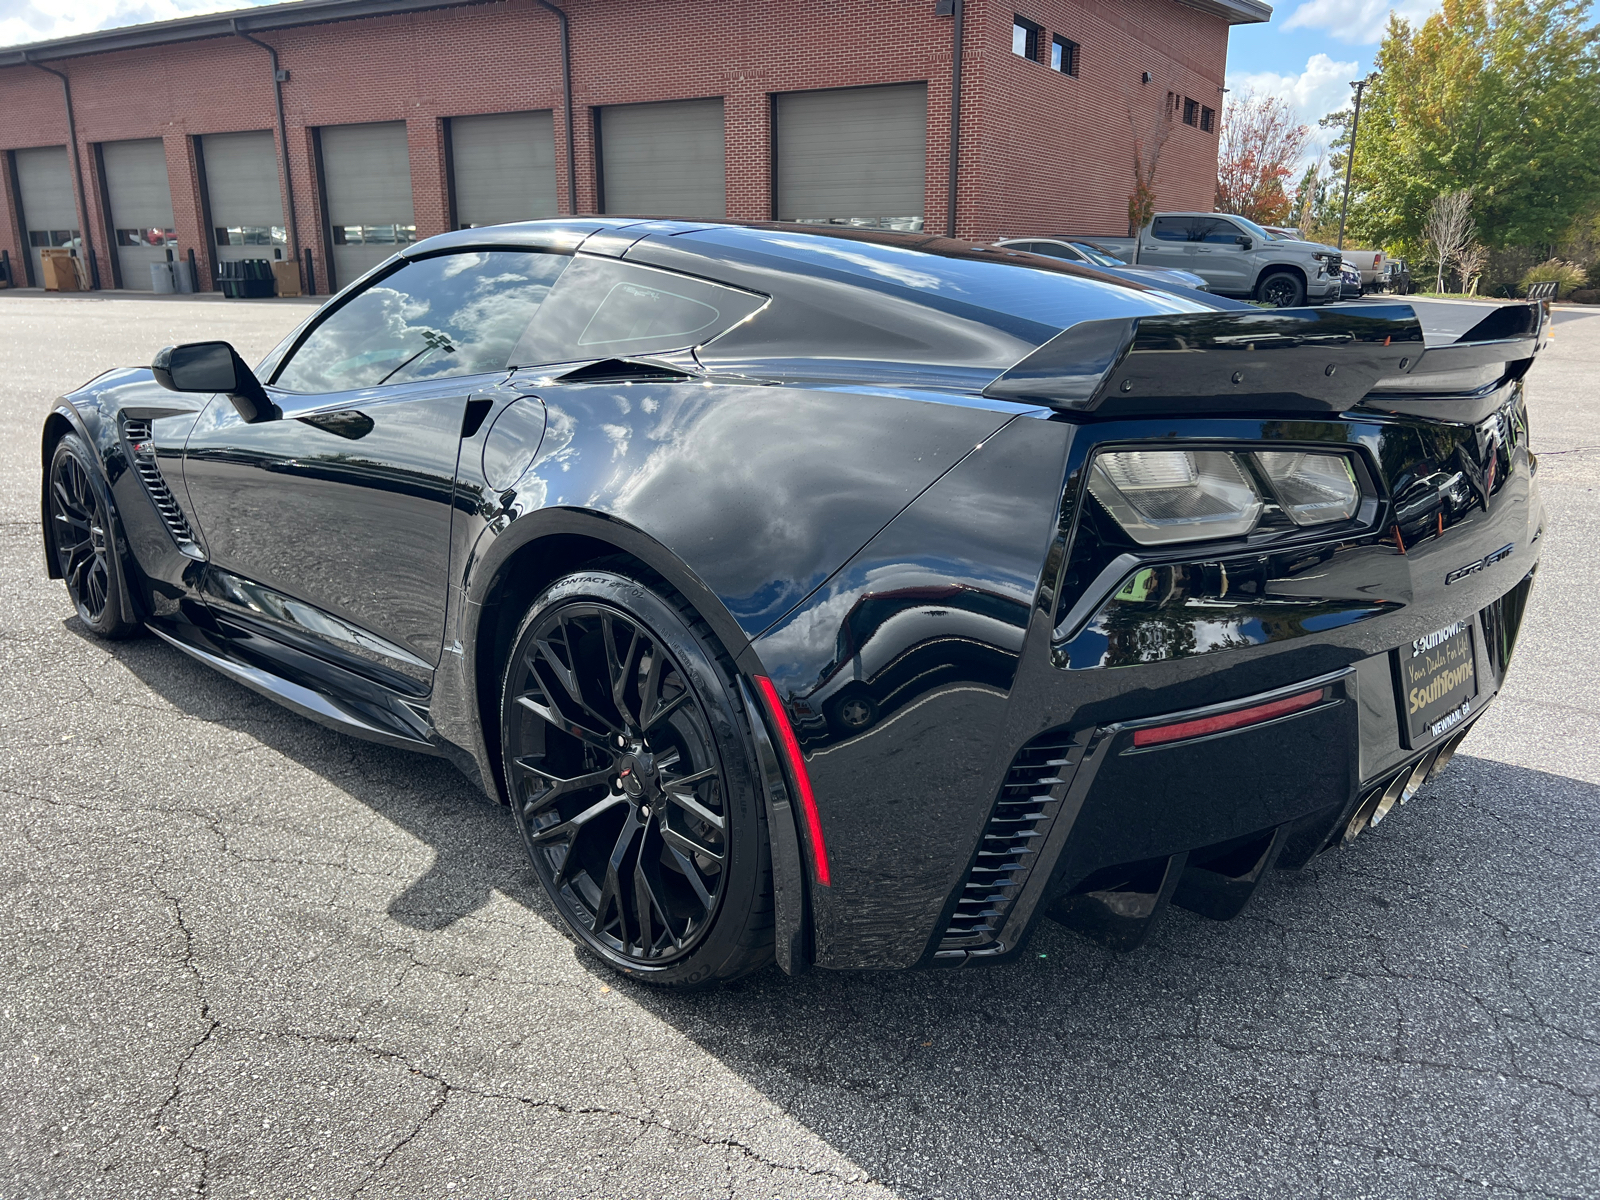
663 160
48 210
141 207
504 168
366 171
853 156
244 196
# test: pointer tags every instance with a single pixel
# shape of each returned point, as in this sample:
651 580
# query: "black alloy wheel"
1282 290
628 773
83 532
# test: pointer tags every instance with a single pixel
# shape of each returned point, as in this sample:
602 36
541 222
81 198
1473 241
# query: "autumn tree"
1260 148
1149 136
1500 98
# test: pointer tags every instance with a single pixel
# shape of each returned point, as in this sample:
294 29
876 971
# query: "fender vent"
1029 800
142 453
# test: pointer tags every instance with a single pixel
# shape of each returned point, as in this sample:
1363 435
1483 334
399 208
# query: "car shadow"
1219 1060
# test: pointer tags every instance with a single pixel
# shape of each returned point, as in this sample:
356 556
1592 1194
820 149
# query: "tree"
1260 146
1448 230
1147 144
1497 97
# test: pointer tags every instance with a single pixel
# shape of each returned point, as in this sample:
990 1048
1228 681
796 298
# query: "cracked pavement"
241 955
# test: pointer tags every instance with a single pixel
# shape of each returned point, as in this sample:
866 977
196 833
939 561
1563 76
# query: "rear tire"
630 769
1283 289
84 536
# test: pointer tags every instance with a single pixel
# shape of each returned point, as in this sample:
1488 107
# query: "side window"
453 314
1222 233
603 308
1170 229
1056 250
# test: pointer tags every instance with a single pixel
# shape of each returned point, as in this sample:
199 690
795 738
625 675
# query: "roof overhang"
1234 12
223 24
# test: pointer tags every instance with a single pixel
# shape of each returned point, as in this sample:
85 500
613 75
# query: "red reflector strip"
797 771
1158 734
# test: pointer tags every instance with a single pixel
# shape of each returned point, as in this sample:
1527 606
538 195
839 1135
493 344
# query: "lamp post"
1360 86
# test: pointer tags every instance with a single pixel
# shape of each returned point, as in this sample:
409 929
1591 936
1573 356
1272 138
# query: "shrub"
1594 274
1585 296
1568 276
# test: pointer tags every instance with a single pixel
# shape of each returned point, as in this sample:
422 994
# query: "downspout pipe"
958 12
77 171
283 137
566 87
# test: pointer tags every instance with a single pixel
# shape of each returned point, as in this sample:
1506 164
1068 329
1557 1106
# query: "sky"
40 20
1311 50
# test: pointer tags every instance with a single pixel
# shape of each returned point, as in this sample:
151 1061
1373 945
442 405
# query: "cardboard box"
287 274
60 270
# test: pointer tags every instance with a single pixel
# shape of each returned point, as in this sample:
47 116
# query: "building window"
53 237
1191 112
1025 38
147 237
1208 120
374 235
251 235
1063 55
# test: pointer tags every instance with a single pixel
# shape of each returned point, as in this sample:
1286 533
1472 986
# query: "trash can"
183 276
161 279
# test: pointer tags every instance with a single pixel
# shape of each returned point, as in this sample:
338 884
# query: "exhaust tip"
1380 802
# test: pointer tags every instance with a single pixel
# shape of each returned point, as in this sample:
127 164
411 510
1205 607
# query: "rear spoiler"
1296 359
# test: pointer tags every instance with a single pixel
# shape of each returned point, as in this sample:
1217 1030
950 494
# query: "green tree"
1498 97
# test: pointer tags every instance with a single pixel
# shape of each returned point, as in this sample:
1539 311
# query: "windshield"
1097 256
1256 229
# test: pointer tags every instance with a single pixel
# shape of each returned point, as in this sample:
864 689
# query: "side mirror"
1245 243
214 367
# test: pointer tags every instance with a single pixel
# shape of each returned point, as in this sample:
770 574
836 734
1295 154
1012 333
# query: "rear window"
602 308
1030 301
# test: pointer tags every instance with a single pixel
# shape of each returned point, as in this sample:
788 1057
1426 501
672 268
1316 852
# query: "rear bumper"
1120 831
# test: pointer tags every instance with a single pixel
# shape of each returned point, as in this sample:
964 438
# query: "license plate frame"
1436 682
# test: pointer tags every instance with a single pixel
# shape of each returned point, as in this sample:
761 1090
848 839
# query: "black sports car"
846 597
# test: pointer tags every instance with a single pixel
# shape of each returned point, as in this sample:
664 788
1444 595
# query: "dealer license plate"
1438 679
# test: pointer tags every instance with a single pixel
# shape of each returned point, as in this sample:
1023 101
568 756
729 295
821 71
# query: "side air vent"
142 452
1502 621
1029 800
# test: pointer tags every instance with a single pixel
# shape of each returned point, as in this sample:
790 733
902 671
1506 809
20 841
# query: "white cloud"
1323 87
1356 22
24 21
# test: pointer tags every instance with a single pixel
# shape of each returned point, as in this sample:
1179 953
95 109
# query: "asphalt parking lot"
241 955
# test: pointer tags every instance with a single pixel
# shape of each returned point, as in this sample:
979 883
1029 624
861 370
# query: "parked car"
1235 256
849 598
1350 281
1091 255
1284 231
1369 263
1397 277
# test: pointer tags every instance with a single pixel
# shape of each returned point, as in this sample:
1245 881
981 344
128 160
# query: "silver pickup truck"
1235 256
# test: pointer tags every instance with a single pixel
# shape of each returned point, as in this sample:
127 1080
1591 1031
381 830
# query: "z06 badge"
1488 560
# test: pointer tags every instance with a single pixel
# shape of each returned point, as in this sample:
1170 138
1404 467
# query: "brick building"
400 119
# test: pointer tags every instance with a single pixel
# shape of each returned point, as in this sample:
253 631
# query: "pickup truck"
1235 256
1369 263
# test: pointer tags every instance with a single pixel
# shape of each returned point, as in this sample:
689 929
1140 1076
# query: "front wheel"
1283 289
83 533
629 767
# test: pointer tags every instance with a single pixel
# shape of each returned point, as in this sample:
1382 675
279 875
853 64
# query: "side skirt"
317 706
